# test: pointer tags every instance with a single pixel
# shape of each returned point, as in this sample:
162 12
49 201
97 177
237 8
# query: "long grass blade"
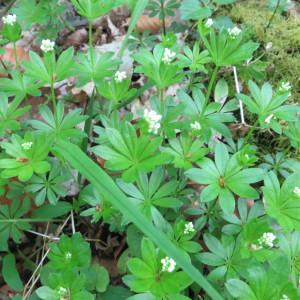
110 191
137 12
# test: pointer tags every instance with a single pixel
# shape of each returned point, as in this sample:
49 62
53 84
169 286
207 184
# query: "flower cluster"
285 87
234 32
152 118
62 291
285 297
196 125
267 239
168 56
189 228
47 46
296 191
269 118
120 76
9 19
68 256
209 22
168 264
27 145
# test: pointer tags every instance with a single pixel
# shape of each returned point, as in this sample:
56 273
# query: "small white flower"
153 120
26 146
284 297
255 247
285 87
47 45
269 46
120 76
68 256
189 228
209 22
62 291
296 191
269 118
196 125
9 19
168 264
246 156
234 32
168 56
267 239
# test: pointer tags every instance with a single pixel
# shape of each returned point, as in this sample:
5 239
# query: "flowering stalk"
211 84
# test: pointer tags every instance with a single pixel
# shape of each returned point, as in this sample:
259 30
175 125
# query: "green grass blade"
137 12
110 191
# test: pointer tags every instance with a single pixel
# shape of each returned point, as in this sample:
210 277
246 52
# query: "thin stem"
88 122
273 15
91 42
53 97
163 16
16 56
211 83
251 131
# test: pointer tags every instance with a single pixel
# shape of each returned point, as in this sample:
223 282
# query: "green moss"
284 34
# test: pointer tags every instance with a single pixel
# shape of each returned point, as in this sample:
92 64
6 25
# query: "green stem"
53 97
16 57
88 122
161 99
91 42
163 17
273 15
211 84
251 131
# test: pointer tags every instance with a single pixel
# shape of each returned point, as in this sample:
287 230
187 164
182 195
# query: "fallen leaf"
153 24
9 55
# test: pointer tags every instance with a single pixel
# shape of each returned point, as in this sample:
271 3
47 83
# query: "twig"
238 92
273 15
7 8
72 222
31 280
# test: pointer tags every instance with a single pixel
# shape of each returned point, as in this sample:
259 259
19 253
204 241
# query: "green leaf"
101 278
137 12
240 289
106 186
221 91
193 10
49 211
10 273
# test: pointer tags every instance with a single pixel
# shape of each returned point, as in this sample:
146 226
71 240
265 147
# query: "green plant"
161 174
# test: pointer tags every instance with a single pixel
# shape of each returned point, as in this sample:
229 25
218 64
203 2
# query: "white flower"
196 125
255 247
62 291
168 264
189 228
120 76
153 120
269 118
284 297
267 239
168 56
246 156
27 146
234 32
47 46
9 19
209 22
285 87
269 46
68 256
296 190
